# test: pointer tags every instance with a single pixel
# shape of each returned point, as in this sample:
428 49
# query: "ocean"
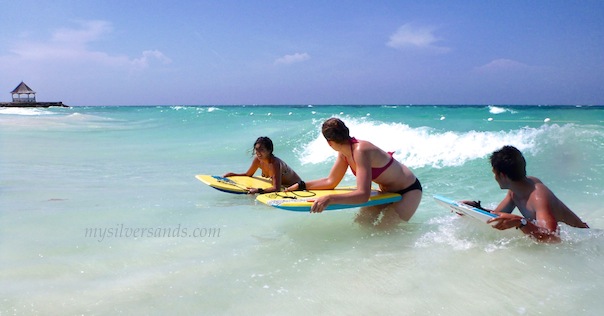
100 213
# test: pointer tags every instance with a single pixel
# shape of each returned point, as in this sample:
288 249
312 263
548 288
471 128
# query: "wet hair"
509 161
265 142
335 130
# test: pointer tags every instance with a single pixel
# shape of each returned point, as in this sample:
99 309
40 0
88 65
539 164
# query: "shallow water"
174 245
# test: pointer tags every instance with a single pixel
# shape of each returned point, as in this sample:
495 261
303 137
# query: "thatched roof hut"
24 94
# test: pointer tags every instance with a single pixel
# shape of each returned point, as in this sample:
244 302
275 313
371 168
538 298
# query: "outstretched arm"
360 195
331 181
250 172
507 205
543 229
536 229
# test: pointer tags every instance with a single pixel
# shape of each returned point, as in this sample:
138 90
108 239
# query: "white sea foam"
498 110
212 109
24 111
445 234
425 146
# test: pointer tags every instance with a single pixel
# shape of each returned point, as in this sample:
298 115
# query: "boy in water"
541 209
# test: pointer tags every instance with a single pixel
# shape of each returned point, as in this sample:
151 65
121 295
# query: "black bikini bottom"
415 186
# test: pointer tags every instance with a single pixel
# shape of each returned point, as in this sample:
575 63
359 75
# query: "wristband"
523 223
260 190
301 185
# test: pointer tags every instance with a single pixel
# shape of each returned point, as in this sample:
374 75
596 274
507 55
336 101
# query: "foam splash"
445 234
498 110
572 235
427 147
75 117
24 111
200 109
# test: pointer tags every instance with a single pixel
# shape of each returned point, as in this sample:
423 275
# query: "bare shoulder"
543 198
363 149
366 145
369 148
540 188
276 162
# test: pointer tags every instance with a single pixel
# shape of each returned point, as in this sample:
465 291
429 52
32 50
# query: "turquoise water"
100 213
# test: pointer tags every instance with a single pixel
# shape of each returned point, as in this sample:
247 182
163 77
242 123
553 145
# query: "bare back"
394 178
539 201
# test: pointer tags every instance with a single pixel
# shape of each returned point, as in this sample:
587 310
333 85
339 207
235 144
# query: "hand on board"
320 204
505 221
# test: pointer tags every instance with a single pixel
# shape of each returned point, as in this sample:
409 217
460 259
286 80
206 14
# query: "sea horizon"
453 105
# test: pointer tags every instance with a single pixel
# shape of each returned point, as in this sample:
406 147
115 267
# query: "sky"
242 52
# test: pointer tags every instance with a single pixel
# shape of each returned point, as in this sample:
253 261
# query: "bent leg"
389 220
368 215
406 207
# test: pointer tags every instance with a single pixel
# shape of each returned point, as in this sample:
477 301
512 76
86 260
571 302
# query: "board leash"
295 195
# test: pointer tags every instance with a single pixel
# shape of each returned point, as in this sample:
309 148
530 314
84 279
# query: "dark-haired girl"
271 166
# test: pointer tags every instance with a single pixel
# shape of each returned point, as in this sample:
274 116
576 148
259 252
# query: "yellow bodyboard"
302 201
235 184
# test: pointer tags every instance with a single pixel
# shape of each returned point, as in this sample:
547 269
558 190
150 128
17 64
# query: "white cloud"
411 36
150 55
502 64
291 59
90 31
71 45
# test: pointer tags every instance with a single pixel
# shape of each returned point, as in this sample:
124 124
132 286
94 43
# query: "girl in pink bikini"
368 163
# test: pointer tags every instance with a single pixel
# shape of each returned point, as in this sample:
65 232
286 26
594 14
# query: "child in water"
272 167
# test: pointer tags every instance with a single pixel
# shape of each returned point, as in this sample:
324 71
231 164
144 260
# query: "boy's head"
509 161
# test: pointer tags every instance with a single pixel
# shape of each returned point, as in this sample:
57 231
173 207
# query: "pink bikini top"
375 172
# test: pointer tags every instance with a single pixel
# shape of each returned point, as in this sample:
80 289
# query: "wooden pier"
25 97
31 104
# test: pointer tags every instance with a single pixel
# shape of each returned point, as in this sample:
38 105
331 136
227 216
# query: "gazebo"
23 94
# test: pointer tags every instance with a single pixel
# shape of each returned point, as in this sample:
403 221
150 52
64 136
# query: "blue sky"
132 52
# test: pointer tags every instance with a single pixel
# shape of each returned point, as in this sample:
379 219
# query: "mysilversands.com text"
122 231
